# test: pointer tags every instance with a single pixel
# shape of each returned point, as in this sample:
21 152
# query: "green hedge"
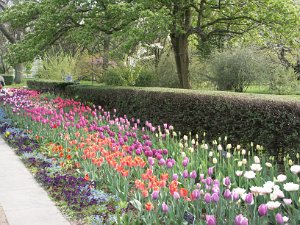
270 121
48 86
8 79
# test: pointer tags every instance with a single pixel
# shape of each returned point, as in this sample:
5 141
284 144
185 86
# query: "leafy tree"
13 36
146 20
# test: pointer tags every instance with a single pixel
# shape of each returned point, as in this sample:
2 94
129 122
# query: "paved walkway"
22 200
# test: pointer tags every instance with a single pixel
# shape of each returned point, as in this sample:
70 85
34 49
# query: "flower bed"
89 159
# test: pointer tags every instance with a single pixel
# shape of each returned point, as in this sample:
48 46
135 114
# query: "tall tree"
13 36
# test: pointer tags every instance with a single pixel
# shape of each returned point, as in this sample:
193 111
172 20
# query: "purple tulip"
161 162
207 197
227 194
165 151
210 171
169 163
208 181
185 161
279 218
185 174
149 153
215 189
195 194
215 197
155 195
151 161
158 156
263 210
249 198
217 182
210 220
193 174
164 207
240 220
226 181
176 195
235 196
175 176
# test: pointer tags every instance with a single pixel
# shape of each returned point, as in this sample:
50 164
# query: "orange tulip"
149 206
145 193
183 192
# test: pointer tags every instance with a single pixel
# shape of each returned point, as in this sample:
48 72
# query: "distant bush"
8 79
284 81
236 69
130 76
57 67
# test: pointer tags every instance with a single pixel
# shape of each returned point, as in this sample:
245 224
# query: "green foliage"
57 67
166 70
236 69
130 76
8 79
121 76
48 86
284 81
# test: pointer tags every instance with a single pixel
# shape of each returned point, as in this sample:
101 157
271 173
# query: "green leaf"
137 204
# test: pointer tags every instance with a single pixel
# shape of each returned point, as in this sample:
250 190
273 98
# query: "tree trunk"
106 45
19 71
180 47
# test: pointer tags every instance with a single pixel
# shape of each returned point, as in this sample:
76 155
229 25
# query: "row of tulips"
162 174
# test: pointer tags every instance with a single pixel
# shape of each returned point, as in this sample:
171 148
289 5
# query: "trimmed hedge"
8 79
272 122
48 86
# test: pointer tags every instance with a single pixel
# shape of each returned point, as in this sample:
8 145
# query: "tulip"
176 195
226 181
161 162
227 194
210 171
193 174
240 220
210 220
185 174
263 210
164 207
155 195
175 176
195 194
151 161
215 197
287 201
279 218
249 198
185 161
207 197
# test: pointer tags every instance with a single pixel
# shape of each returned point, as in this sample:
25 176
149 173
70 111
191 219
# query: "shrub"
236 69
48 86
121 76
8 79
129 76
284 81
57 67
243 118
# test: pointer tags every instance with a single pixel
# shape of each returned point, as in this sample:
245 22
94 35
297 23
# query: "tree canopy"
47 21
